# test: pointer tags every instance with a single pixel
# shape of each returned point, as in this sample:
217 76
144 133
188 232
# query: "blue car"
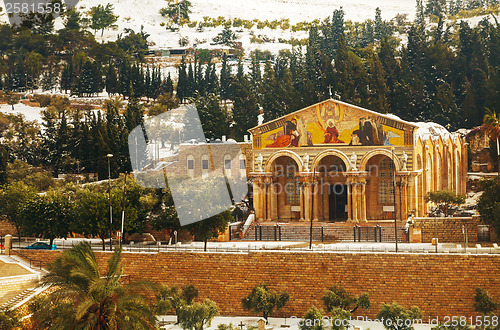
41 246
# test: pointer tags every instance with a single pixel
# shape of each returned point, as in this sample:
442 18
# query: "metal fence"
324 233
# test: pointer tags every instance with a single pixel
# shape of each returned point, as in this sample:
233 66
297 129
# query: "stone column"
256 199
8 244
307 201
363 201
274 202
317 196
325 201
262 202
405 197
302 206
355 216
349 203
268 187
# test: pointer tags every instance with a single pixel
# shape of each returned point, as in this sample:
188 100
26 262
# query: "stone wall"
449 230
7 228
440 285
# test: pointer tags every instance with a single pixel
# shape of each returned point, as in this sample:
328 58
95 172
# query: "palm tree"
83 299
491 126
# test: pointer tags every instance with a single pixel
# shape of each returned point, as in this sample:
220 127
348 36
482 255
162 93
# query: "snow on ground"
29 113
136 13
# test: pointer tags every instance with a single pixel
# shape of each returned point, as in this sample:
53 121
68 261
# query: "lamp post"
109 201
394 198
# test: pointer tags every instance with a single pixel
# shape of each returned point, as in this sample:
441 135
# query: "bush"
396 317
313 319
198 315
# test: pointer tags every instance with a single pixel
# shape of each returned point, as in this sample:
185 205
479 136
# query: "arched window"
386 181
292 187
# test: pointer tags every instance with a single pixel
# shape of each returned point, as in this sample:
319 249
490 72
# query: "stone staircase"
18 281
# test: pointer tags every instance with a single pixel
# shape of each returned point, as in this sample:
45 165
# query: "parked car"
2 247
41 246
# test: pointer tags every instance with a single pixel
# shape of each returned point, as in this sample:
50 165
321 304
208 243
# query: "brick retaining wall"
449 230
439 284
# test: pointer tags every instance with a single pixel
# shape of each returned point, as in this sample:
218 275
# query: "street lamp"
109 201
394 198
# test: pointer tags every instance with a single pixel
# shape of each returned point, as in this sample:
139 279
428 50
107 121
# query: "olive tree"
444 199
263 300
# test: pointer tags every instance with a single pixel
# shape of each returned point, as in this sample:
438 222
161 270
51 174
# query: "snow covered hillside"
136 13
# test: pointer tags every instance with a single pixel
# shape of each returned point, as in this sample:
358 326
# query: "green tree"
213 117
198 315
484 303
225 37
210 228
92 215
48 216
245 107
102 17
444 199
4 157
174 298
264 300
72 20
177 11
337 297
400 318
491 126
312 319
85 299
13 198
8 320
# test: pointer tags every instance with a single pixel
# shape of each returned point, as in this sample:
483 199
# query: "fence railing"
324 233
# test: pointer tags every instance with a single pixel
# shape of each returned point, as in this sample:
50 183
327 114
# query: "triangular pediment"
333 122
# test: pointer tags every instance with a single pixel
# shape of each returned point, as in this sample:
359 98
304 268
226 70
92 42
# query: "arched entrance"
285 191
331 194
380 188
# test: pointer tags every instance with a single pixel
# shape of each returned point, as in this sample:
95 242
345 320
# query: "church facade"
333 161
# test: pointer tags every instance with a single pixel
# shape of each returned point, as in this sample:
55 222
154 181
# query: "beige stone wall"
449 230
440 285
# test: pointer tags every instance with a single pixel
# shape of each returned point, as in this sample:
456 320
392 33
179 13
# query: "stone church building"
333 161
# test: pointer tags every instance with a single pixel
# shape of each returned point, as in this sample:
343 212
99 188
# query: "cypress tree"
225 79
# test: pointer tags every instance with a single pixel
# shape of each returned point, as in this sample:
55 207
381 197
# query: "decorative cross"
330 90
241 325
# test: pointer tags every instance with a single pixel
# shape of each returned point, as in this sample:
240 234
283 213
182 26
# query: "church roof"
386 115
429 129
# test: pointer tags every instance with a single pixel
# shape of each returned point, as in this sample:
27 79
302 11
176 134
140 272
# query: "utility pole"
110 207
123 209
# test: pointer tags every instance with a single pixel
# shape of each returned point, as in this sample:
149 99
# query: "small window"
204 164
242 164
227 164
190 164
